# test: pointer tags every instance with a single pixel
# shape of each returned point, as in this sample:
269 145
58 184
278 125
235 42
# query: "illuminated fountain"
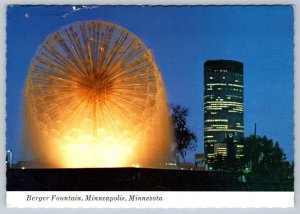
95 98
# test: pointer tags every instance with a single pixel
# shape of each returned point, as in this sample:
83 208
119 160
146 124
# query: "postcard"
150 106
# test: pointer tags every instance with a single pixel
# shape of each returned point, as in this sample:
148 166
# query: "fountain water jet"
94 97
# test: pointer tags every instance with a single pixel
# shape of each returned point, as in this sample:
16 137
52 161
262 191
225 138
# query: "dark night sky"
181 39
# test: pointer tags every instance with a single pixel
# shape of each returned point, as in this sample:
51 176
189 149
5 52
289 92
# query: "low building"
200 161
220 149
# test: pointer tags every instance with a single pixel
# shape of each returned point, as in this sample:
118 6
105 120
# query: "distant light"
170 164
23 167
247 170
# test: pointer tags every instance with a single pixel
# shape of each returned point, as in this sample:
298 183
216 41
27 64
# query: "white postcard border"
269 198
137 199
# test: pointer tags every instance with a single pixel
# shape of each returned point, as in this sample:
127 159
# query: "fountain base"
129 179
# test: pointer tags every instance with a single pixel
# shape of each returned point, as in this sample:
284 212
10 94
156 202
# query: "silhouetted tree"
185 139
266 160
232 163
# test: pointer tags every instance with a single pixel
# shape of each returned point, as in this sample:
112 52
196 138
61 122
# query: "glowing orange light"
95 98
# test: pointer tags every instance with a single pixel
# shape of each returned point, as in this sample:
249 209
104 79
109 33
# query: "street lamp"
9 158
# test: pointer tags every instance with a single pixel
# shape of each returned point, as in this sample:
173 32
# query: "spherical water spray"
94 97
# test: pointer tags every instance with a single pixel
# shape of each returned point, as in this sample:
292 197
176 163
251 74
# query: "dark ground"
131 179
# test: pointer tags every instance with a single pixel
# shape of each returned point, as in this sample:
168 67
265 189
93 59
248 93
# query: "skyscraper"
223 108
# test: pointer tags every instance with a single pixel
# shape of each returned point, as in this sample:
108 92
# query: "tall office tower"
223 108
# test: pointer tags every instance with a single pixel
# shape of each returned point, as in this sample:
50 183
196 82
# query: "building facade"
223 107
